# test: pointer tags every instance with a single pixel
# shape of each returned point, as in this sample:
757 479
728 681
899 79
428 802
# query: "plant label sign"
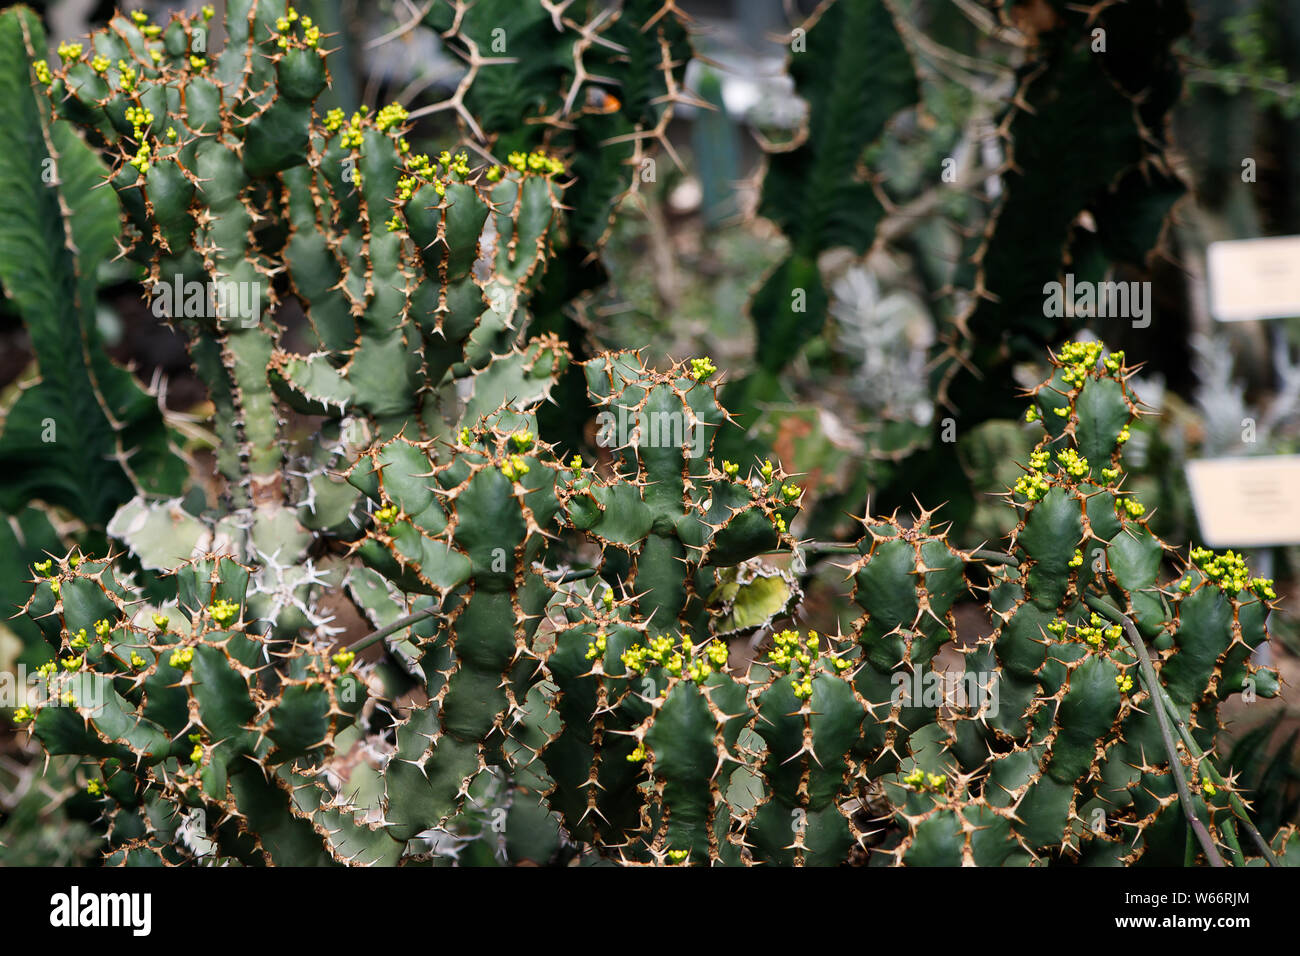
1247 502
1254 278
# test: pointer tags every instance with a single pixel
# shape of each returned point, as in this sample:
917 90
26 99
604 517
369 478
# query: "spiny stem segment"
1154 691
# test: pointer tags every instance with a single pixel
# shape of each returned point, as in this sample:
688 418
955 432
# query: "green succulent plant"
553 639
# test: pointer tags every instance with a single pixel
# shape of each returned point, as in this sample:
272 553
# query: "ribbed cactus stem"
1152 684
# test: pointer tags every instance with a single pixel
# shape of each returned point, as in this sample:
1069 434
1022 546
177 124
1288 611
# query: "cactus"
1091 119
176 704
555 636
86 437
598 80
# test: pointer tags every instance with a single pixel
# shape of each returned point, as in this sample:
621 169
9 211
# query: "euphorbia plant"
554 637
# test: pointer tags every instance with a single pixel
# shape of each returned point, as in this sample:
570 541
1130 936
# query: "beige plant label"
1247 502
1254 278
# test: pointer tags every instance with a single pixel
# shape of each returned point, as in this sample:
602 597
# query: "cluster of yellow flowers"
182 658
696 662
1093 632
1124 683
789 654
387 515
596 647
537 161
394 114
310 35
223 611
1097 629
351 137
139 117
344 658
458 166
1033 485
420 165
405 188
920 781
702 368
514 468
1130 506
141 158
1229 572
141 19
1079 358
1074 464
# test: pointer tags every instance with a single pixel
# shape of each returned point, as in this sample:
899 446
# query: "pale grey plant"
890 332
1232 425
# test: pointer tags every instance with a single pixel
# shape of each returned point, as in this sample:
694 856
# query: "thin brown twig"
416 19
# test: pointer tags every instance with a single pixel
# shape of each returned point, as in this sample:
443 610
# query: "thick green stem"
996 557
383 632
376 636
1230 837
1238 807
1153 687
